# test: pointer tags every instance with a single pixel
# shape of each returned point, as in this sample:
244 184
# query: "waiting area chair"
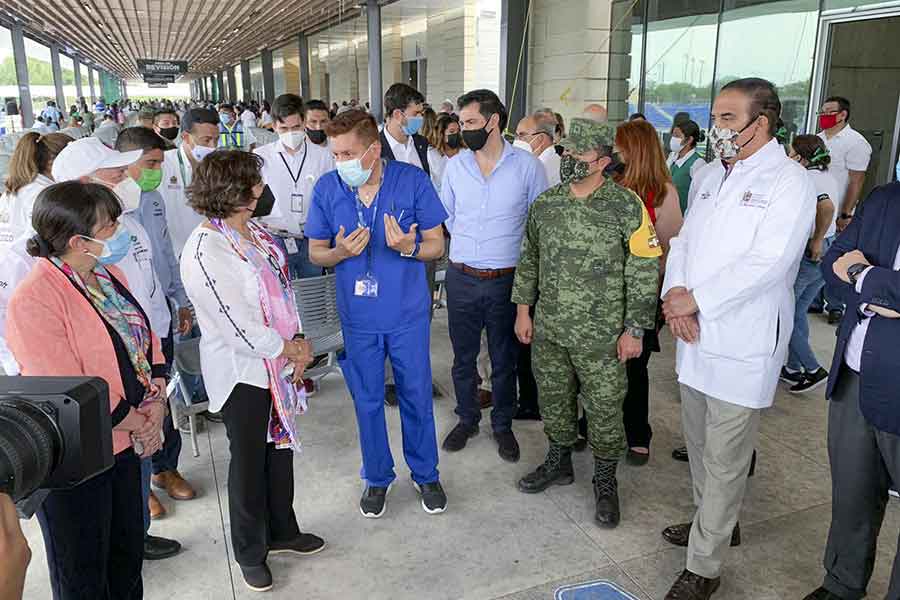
321 324
186 364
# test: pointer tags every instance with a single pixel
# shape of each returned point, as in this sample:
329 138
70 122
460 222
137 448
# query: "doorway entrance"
856 63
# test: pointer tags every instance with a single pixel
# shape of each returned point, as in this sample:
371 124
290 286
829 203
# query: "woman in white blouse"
29 173
265 117
251 355
446 144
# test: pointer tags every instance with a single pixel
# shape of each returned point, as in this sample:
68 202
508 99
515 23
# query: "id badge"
291 245
297 202
366 286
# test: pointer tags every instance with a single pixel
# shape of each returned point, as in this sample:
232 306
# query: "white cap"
82 157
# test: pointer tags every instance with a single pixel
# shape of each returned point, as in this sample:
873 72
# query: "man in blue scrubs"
376 223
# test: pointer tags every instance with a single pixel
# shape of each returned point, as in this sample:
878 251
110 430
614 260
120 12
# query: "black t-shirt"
12 109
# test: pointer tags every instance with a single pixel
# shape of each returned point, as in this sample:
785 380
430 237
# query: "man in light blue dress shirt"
487 193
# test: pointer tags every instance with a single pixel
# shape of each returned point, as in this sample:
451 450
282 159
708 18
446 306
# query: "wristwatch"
635 332
844 216
854 271
413 254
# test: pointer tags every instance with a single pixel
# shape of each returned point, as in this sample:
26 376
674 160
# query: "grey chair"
187 362
317 305
440 280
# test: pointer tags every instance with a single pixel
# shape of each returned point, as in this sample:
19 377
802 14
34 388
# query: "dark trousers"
260 478
864 461
528 391
636 408
166 458
475 304
94 535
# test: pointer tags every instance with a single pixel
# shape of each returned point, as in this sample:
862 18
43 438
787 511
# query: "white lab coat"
739 252
180 217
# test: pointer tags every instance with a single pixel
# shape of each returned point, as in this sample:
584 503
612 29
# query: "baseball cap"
83 157
585 135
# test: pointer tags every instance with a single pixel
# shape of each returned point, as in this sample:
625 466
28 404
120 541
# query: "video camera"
55 432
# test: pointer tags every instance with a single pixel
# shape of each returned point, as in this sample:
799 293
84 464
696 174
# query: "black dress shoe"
258 578
637 459
458 436
158 548
390 394
303 545
822 594
690 586
678 535
680 454
507 446
527 415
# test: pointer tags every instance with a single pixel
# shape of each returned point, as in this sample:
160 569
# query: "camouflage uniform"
591 266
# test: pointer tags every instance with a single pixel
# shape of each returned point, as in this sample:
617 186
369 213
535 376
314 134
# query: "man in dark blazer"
400 139
862 269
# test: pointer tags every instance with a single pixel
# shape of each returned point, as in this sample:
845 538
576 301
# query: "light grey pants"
720 438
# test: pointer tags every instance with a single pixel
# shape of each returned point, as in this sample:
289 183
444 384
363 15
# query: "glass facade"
238 84
9 89
40 75
278 72
67 66
256 79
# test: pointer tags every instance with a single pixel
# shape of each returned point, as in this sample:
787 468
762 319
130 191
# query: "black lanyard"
286 166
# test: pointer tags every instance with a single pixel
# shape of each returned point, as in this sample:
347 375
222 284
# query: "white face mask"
129 193
522 144
292 139
201 152
675 144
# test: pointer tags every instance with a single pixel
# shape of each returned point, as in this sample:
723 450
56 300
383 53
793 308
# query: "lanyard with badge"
184 178
296 195
367 285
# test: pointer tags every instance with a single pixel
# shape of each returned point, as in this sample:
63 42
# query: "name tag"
291 245
366 286
752 200
297 202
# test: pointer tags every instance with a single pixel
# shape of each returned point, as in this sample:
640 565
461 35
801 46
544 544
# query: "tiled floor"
494 542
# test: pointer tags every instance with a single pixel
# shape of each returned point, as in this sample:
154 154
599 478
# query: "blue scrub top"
403 299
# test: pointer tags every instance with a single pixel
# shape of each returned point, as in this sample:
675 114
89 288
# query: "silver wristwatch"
635 332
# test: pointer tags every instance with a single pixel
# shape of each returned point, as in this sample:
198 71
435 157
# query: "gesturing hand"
353 244
404 243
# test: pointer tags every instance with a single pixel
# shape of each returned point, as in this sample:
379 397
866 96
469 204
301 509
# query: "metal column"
513 59
305 89
232 85
373 16
91 85
220 83
58 80
268 76
246 89
124 89
18 44
79 90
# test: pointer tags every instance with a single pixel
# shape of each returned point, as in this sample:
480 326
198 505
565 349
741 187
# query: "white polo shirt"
180 217
404 152
849 152
550 159
291 178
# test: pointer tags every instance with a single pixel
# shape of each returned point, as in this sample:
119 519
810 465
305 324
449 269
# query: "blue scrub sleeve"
319 221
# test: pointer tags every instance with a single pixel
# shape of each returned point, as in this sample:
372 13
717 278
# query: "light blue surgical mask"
225 118
115 248
413 125
352 172
201 152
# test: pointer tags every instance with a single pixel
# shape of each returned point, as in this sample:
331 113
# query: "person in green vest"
684 160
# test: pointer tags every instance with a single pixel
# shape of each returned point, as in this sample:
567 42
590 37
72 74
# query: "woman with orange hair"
646 174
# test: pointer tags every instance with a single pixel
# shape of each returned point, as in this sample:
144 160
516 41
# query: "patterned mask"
571 169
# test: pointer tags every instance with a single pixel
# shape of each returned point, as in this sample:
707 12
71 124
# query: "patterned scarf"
123 316
279 309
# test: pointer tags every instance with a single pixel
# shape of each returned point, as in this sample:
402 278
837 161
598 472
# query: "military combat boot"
606 493
556 470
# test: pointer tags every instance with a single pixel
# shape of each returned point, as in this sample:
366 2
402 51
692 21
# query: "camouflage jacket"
590 265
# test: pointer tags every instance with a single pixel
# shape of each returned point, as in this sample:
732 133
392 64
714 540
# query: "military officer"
590 264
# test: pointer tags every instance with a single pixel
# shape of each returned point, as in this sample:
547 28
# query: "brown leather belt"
483 273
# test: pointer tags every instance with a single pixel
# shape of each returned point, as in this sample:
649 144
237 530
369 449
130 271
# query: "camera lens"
30 446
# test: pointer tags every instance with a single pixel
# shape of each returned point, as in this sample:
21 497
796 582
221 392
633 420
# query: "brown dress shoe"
157 510
174 485
485 399
678 535
690 586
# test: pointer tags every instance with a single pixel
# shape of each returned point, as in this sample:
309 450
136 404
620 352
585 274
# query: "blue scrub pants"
362 362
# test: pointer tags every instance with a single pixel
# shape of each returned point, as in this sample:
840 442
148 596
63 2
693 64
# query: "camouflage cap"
585 135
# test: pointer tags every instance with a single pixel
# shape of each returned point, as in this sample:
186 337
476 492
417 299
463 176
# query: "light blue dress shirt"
487 216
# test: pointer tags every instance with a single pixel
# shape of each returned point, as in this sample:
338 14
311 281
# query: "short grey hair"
545 122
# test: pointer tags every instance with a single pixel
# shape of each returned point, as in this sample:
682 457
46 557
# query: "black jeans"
260 478
636 407
166 458
94 535
474 304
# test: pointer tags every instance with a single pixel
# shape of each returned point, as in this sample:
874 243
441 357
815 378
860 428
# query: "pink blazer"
53 330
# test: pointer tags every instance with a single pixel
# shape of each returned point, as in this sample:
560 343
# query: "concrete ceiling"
208 34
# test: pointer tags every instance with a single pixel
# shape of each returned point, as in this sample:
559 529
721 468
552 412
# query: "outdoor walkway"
494 542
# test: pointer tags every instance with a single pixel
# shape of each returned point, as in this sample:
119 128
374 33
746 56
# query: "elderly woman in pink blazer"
74 316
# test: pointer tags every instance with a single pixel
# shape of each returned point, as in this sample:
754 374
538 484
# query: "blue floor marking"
593 590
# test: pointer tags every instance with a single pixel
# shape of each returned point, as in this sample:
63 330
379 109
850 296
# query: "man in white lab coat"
728 298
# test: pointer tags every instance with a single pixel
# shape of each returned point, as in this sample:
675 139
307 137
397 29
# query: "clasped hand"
299 353
680 310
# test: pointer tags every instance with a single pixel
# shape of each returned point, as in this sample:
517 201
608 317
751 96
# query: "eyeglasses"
828 112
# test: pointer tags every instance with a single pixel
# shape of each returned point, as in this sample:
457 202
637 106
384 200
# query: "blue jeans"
807 286
473 305
146 469
299 265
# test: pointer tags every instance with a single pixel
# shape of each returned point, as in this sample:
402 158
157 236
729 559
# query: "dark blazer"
875 230
420 143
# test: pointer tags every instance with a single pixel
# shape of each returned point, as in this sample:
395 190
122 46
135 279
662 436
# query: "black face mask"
264 203
454 140
616 166
476 138
169 133
316 136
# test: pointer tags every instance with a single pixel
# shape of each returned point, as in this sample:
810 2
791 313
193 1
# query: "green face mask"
571 169
150 179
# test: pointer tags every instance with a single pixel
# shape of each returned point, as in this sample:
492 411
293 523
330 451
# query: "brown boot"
690 586
485 399
157 510
174 485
